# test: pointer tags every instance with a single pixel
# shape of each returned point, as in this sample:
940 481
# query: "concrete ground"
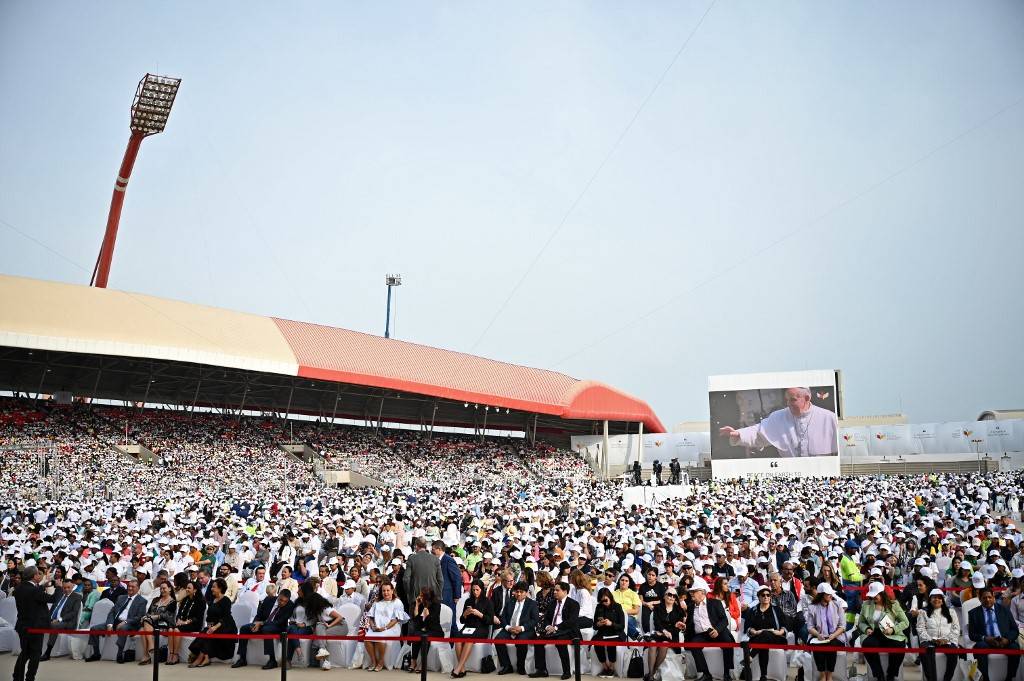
66 669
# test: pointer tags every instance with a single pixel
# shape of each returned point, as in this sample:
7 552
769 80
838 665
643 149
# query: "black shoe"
92 658
521 671
566 675
707 677
45 657
539 674
270 664
239 663
120 658
504 670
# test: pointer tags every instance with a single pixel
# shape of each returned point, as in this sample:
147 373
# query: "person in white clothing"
799 429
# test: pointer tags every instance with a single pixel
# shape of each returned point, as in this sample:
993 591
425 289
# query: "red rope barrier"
538 641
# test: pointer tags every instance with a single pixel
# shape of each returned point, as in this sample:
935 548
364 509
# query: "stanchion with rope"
284 655
423 656
155 655
576 657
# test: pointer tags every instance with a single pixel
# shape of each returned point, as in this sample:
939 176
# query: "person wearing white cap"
707 621
1017 602
882 624
826 625
938 628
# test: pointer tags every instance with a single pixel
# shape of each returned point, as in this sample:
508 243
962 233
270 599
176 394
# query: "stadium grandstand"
86 344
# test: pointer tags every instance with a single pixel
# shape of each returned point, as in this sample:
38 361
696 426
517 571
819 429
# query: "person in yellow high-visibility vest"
849 572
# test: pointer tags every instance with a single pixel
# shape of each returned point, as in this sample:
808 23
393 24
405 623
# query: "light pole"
391 280
154 98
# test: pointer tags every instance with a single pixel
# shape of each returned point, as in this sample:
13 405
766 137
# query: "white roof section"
48 315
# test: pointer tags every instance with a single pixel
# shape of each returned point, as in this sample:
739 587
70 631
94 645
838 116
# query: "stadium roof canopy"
103 343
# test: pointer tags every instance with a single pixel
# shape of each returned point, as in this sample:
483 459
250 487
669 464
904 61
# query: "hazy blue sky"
798 193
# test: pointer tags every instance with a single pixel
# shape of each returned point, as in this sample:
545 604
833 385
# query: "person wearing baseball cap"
938 628
883 624
825 626
707 621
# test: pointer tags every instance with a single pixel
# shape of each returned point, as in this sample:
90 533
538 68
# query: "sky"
643 194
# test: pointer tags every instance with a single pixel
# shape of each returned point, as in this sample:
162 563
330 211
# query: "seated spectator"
519 621
937 628
477 617
218 620
826 625
384 618
561 623
883 624
161 615
764 623
669 623
991 625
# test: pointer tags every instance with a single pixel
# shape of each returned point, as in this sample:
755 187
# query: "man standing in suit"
656 470
451 577
991 625
706 621
518 623
64 615
126 615
33 613
422 569
562 622
271 618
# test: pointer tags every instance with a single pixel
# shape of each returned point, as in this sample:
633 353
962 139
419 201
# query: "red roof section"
332 354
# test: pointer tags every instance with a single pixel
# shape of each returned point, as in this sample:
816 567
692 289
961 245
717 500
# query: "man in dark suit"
707 621
67 605
501 594
518 623
991 625
115 588
562 622
422 569
126 615
33 613
272 616
451 578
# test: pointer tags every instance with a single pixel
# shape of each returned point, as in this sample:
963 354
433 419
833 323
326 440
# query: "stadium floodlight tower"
391 280
152 105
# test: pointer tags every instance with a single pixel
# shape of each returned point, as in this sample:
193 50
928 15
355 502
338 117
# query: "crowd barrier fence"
576 643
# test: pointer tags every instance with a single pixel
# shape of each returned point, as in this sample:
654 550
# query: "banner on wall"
951 437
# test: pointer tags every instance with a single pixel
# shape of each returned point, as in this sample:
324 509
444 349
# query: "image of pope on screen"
800 428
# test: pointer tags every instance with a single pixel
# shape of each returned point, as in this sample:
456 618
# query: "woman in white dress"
384 619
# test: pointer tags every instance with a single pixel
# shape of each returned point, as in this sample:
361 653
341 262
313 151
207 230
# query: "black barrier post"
576 658
284 655
155 655
747 672
423 656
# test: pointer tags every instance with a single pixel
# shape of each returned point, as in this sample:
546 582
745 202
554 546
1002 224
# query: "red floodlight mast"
152 105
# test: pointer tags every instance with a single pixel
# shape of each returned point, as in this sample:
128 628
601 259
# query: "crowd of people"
526 539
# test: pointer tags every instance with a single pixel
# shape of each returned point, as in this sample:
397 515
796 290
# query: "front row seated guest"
707 621
937 628
519 620
218 621
826 625
477 616
126 615
764 623
883 624
561 622
669 622
991 625
271 618
609 625
191 611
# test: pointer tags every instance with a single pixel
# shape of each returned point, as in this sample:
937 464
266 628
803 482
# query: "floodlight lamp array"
152 105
